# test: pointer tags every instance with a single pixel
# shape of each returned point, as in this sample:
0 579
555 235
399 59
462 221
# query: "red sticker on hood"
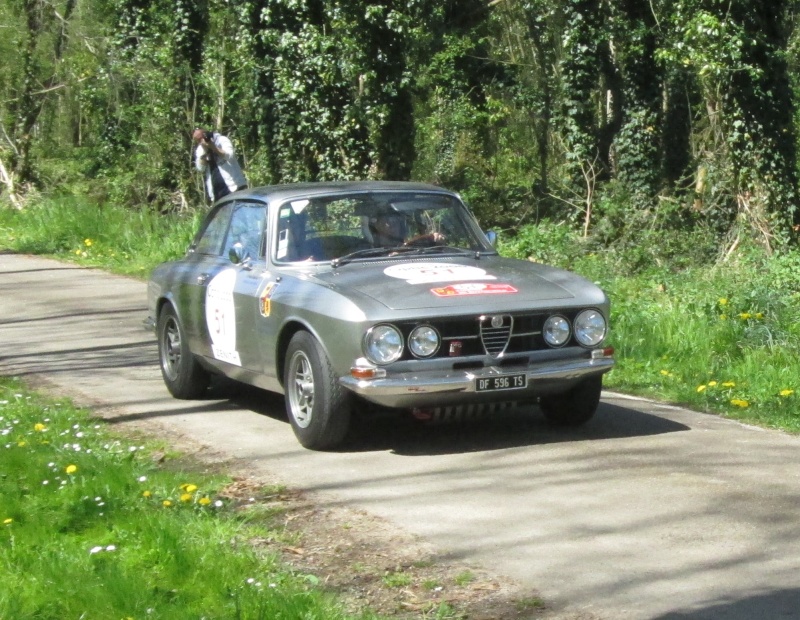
473 288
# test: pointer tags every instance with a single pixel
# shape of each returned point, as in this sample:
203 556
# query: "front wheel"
575 407
318 408
183 375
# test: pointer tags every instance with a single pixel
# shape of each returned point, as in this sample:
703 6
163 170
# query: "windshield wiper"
451 249
370 253
436 249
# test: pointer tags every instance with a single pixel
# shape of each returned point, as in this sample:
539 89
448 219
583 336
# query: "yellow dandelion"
204 501
71 469
39 427
787 392
186 497
738 402
167 503
666 373
22 444
723 317
759 315
87 243
701 388
189 488
8 521
722 301
146 494
77 252
712 383
729 384
745 315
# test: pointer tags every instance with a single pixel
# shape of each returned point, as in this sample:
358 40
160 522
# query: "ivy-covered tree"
737 53
530 108
762 134
583 56
638 116
34 79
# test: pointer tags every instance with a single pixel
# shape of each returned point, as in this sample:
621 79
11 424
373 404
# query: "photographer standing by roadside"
214 157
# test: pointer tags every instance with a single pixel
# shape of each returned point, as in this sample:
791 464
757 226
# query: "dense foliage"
614 115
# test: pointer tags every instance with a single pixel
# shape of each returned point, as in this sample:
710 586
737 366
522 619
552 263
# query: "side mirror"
491 236
237 254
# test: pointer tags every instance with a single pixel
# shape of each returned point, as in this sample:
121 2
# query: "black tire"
183 375
574 407
318 408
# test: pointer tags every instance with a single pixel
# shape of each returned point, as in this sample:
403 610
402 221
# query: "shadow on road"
85 359
510 428
502 430
81 315
771 605
44 269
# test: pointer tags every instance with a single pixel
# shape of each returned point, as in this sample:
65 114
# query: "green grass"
716 340
464 578
721 337
396 579
682 324
91 527
121 240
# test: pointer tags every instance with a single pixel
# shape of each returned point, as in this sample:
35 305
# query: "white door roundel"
221 317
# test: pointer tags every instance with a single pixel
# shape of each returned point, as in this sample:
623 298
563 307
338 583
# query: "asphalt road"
647 512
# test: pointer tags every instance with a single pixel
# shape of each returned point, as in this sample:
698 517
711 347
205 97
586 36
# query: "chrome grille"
495 333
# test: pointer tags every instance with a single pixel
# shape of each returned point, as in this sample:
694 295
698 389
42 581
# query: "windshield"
369 225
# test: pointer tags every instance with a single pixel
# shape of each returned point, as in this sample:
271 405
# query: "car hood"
485 284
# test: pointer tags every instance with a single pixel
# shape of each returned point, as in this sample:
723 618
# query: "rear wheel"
183 375
575 407
318 408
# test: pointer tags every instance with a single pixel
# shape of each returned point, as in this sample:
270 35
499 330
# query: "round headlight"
383 344
423 341
556 331
590 328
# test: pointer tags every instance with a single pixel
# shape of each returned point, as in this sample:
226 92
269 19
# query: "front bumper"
443 387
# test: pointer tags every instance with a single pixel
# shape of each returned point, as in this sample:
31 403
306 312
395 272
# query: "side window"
292 219
247 226
210 241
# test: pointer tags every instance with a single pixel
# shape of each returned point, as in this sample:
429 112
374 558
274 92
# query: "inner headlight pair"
589 326
384 343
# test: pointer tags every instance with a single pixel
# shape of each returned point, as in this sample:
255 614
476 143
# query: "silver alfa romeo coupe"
365 296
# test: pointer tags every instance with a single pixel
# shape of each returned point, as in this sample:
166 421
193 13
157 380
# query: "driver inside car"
389 229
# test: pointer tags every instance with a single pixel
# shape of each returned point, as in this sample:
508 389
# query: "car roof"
288 191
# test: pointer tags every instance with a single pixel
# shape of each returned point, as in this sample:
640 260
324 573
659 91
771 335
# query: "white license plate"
501 382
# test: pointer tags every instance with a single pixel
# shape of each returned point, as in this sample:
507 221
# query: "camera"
208 136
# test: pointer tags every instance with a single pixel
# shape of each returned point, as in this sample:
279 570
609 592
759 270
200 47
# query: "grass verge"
124 241
93 526
722 336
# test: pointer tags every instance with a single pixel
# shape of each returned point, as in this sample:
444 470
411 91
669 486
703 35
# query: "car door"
232 300
203 262
219 294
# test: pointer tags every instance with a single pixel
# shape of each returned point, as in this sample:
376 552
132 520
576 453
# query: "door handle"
202 278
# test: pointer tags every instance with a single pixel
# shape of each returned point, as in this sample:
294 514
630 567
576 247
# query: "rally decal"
473 288
264 299
221 317
426 273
